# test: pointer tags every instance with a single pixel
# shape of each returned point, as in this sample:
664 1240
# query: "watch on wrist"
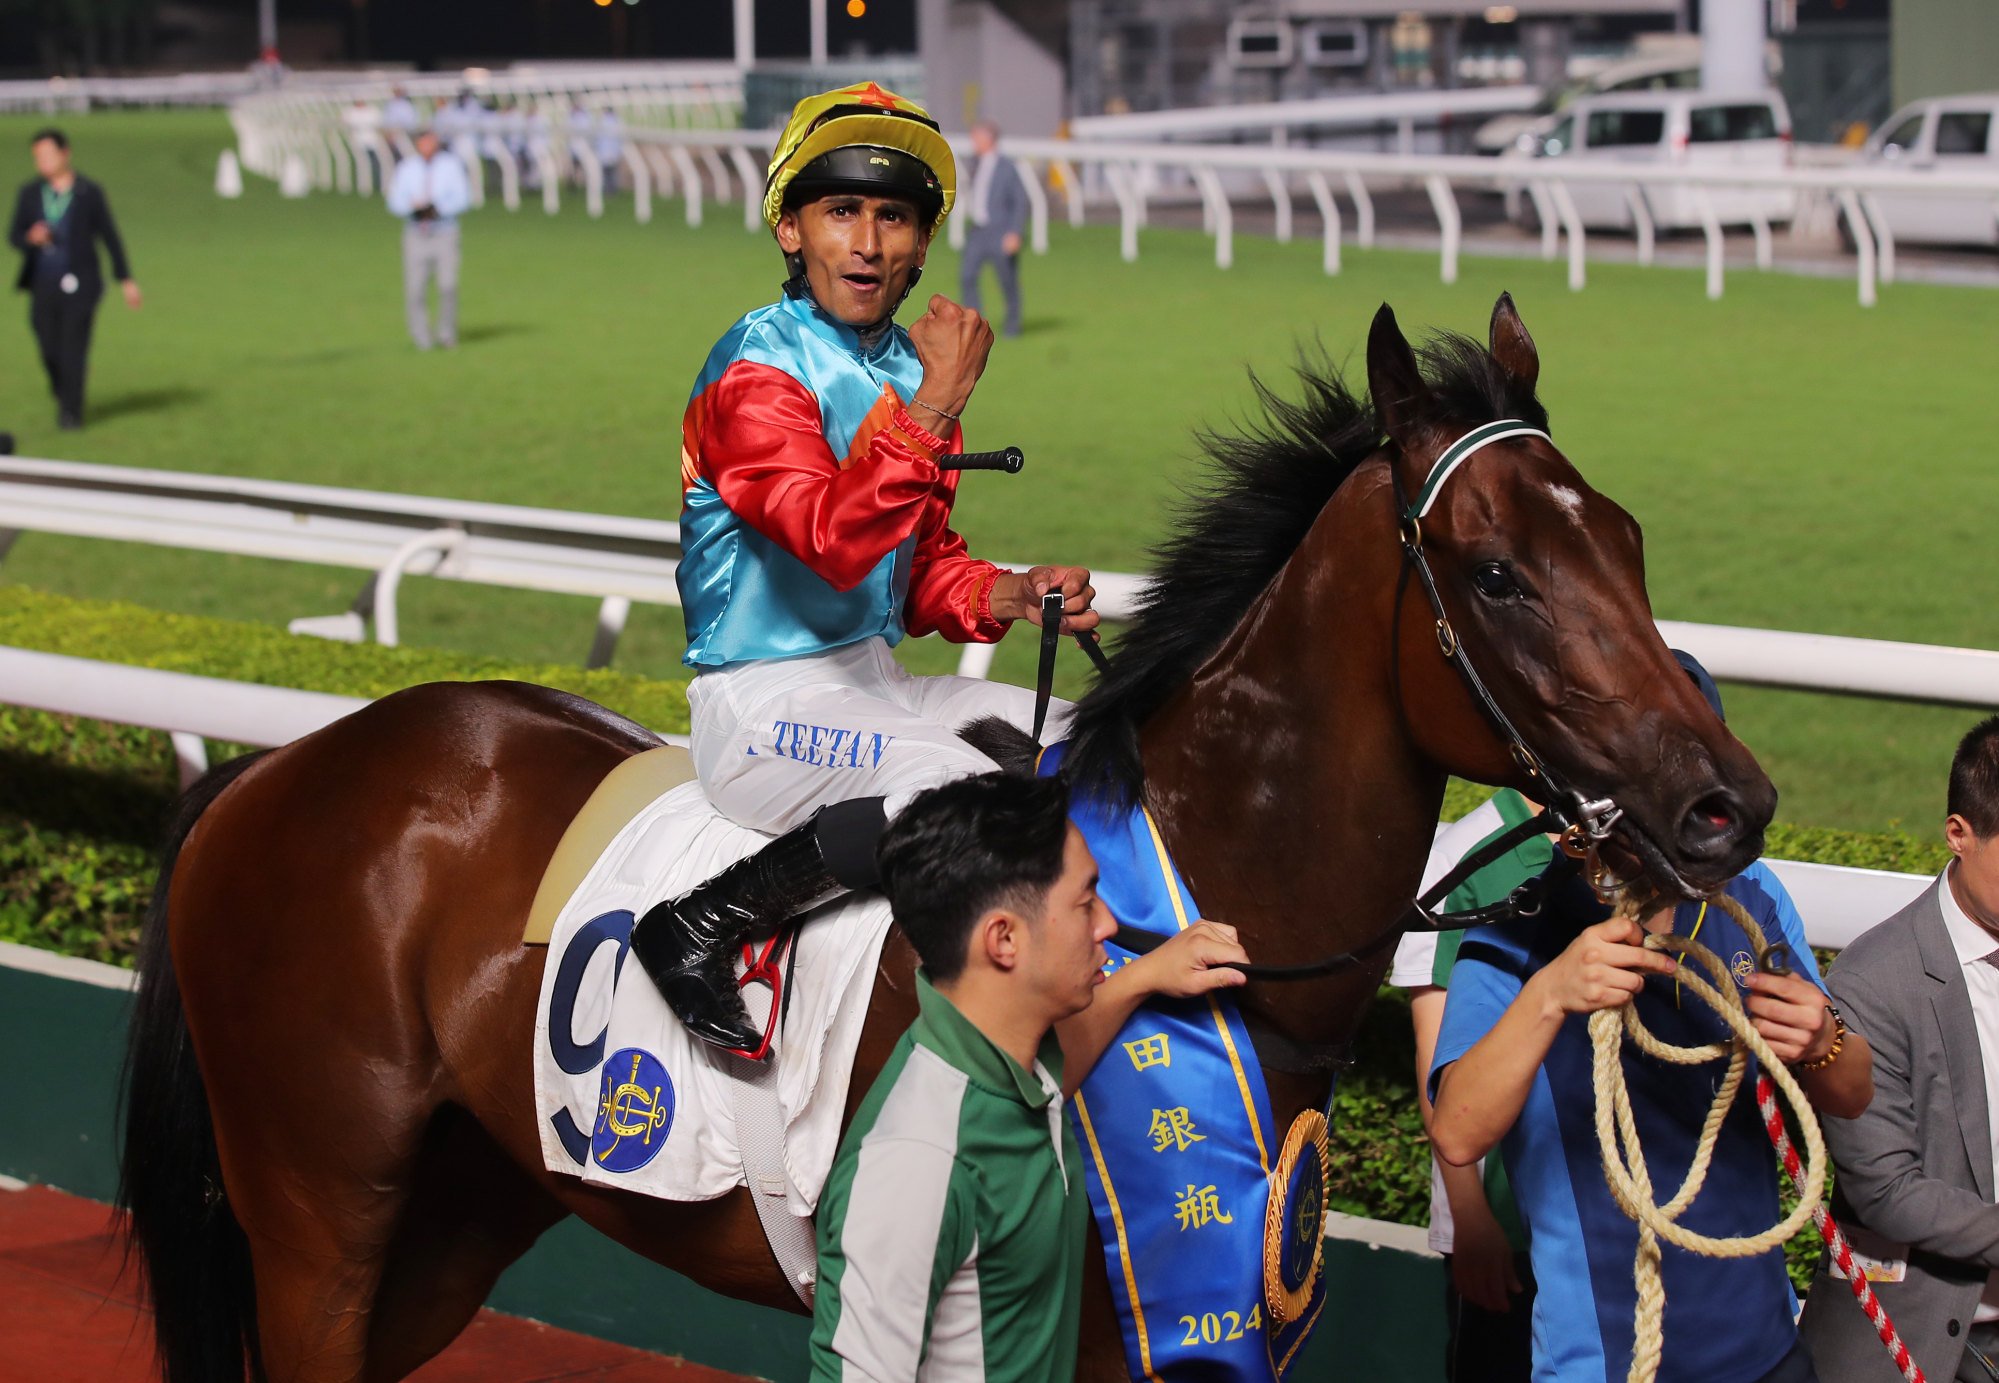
1832 1052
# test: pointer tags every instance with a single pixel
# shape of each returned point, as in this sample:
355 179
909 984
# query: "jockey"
815 532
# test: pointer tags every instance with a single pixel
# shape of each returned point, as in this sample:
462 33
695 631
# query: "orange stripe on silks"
693 423
878 418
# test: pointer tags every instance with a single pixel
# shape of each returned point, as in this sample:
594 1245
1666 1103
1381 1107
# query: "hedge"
81 805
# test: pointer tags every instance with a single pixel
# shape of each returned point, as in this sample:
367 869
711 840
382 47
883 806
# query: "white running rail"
725 165
620 560
1837 903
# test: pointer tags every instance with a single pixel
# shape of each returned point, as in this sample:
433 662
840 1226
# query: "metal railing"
1275 120
727 165
1837 903
621 559
618 560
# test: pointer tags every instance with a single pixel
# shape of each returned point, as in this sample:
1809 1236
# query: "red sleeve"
950 591
764 450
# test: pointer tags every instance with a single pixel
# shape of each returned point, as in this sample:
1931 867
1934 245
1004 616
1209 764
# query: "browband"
1461 451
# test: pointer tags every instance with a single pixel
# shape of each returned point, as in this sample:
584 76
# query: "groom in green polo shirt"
952 1229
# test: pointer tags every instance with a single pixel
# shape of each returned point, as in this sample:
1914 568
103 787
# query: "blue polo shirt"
1726 1319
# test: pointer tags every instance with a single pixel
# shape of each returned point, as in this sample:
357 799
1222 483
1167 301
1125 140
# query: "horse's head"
1542 582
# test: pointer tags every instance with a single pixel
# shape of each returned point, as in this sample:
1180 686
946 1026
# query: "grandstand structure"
1137 55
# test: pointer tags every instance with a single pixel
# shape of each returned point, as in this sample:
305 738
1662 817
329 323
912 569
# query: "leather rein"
1582 823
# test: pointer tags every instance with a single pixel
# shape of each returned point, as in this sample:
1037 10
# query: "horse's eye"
1494 581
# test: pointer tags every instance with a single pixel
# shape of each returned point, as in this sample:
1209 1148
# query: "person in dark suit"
1914 1189
60 217
998 211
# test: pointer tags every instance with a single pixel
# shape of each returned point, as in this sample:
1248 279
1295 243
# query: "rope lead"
1624 1161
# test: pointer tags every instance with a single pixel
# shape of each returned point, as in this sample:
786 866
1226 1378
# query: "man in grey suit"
997 208
1915 1171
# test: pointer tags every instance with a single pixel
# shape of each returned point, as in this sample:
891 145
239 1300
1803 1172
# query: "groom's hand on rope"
1790 1012
1017 595
1603 968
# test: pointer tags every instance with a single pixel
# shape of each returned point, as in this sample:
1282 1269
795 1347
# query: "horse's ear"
1512 347
1401 399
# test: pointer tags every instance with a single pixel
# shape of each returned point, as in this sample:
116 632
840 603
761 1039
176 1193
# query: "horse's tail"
194 1256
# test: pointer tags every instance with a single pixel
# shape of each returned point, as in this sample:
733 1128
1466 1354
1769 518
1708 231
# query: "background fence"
700 161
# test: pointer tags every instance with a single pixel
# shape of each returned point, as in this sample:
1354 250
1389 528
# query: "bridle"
1573 814
1582 823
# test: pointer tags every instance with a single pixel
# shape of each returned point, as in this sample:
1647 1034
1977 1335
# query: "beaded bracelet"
1832 1053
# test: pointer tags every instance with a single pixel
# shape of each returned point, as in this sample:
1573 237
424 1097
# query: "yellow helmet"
895 146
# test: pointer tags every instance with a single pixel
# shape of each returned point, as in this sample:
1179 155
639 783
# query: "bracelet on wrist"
933 408
1832 1053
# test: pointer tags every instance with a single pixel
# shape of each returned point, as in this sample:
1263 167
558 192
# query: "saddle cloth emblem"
634 1112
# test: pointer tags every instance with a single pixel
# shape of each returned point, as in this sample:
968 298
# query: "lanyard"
1693 935
54 203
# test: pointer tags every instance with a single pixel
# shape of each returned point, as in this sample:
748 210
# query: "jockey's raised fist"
953 343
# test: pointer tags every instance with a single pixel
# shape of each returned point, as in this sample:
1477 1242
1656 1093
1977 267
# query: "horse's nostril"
1712 821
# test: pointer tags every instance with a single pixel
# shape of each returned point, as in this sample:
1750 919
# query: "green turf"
1798 462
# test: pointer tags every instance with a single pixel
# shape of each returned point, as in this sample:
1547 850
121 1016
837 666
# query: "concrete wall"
979 64
1944 47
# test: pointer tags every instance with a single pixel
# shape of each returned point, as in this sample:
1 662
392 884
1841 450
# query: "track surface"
67 1315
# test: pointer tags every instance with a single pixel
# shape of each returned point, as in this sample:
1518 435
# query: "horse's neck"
1296 805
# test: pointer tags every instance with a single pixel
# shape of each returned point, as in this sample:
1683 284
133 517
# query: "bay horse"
330 1144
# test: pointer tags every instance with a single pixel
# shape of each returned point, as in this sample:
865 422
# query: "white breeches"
776 740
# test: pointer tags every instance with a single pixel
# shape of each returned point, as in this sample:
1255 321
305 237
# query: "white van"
1950 134
1524 130
1677 129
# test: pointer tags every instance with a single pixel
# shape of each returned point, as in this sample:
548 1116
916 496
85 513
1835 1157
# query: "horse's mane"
1235 529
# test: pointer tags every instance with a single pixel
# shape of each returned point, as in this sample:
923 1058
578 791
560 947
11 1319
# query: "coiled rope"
1631 1182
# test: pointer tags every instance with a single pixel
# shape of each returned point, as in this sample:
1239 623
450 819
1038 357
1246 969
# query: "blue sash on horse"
1176 1123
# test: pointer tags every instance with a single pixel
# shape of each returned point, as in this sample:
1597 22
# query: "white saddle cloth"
611 1059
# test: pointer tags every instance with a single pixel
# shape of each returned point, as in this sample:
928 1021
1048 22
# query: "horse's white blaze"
1571 502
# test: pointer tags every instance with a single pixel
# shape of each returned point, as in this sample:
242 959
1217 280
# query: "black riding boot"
689 945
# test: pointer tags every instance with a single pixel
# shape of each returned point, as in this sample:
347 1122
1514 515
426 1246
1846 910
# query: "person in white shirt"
610 146
399 113
429 192
1915 1183
364 124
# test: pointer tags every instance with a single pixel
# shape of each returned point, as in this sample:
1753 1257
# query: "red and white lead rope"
1842 1252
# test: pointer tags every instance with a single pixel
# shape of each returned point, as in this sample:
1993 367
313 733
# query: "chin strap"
798 286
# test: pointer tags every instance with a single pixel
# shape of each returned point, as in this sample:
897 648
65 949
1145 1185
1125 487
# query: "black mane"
1235 530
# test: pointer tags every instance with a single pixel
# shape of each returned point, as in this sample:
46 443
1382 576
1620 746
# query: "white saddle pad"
625 1097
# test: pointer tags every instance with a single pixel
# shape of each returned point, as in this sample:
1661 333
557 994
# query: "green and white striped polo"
951 1231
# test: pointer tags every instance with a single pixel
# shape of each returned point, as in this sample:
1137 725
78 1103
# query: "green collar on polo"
1461 451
